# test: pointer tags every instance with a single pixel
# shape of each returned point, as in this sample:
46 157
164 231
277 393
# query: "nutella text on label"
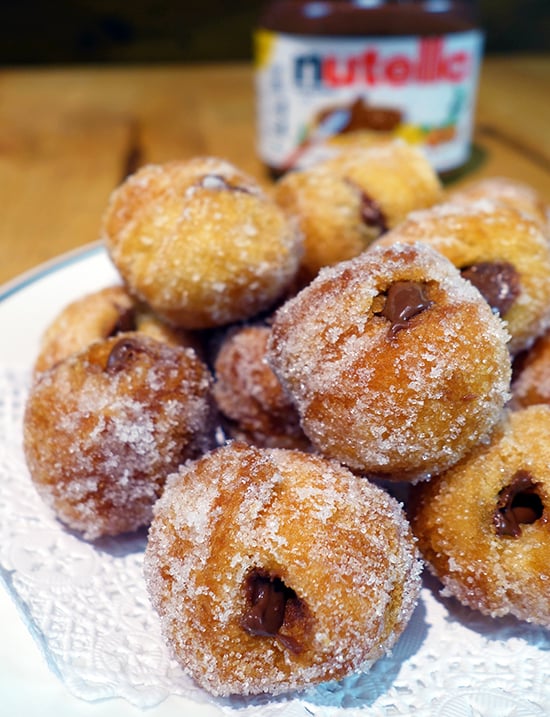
309 87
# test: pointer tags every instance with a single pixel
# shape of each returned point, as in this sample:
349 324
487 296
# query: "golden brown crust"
343 204
242 511
510 192
405 404
82 321
249 394
200 242
488 231
100 315
104 427
531 384
453 517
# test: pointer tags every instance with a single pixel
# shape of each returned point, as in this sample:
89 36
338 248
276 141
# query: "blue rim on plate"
49 267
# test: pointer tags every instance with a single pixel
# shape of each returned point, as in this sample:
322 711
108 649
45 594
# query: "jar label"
312 92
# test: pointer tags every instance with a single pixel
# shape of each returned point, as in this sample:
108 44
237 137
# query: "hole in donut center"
519 503
268 602
401 302
123 354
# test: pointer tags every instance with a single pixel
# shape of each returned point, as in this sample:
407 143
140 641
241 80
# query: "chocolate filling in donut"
217 181
518 504
497 281
268 602
404 299
370 211
122 354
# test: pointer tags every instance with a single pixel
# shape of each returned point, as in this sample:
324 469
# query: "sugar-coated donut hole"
485 233
344 203
100 315
103 428
510 192
395 397
200 242
286 529
483 526
519 503
251 400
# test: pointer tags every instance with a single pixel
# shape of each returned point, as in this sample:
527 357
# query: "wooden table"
68 136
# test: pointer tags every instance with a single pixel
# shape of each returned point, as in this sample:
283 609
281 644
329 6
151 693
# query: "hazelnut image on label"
396 364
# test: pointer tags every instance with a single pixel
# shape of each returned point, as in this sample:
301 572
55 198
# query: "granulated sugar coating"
103 429
99 315
396 364
505 248
484 526
519 196
273 570
200 242
250 396
343 204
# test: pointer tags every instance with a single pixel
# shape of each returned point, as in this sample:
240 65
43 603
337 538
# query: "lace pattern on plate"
87 607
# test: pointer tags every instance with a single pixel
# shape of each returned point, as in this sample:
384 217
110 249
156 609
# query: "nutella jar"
396 68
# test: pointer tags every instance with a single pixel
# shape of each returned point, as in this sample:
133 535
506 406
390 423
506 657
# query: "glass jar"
393 68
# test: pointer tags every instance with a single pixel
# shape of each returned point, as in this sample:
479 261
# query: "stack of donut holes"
274 364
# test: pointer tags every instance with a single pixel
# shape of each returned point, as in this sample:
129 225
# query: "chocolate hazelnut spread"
404 300
371 212
122 354
406 69
497 281
268 598
518 503
217 182
267 611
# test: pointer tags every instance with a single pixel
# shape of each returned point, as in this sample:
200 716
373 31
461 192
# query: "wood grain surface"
68 136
